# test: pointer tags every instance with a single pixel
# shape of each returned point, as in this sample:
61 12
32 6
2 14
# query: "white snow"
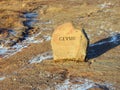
41 57
2 78
19 46
105 5
114 39
47 38
67 85
100 43
30 15
3 50
85 85
30 20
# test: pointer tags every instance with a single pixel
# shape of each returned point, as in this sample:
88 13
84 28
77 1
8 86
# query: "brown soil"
99 18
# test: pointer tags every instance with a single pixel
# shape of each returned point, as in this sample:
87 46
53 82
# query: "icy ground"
31 20
82 84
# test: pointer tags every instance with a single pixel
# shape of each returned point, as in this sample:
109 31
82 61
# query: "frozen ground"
33 69
31 19
2 78
85 85
44 56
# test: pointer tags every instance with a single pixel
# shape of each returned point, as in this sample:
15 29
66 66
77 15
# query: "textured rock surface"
68 43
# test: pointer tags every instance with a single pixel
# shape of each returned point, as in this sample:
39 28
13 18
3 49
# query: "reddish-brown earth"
100 20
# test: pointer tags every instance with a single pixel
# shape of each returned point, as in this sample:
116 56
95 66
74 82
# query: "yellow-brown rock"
68 43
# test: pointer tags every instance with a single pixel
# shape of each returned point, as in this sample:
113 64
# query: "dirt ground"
100 20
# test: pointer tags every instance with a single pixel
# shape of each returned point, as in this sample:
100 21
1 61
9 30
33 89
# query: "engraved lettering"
66 38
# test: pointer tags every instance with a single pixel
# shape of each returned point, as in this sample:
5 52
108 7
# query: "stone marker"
68 43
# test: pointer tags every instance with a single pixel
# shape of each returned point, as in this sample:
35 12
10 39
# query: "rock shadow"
102 46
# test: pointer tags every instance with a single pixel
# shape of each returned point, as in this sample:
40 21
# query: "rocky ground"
25 52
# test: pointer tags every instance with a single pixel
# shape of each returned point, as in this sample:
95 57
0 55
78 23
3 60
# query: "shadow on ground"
102 46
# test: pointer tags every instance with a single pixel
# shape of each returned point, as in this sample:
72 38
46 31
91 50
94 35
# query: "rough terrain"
26 27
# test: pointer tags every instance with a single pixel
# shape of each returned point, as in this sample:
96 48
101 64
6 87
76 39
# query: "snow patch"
67 85
114 39
81 84
3 50
30 15
105 5
6 52
2 78
47 38
41 57
30 20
